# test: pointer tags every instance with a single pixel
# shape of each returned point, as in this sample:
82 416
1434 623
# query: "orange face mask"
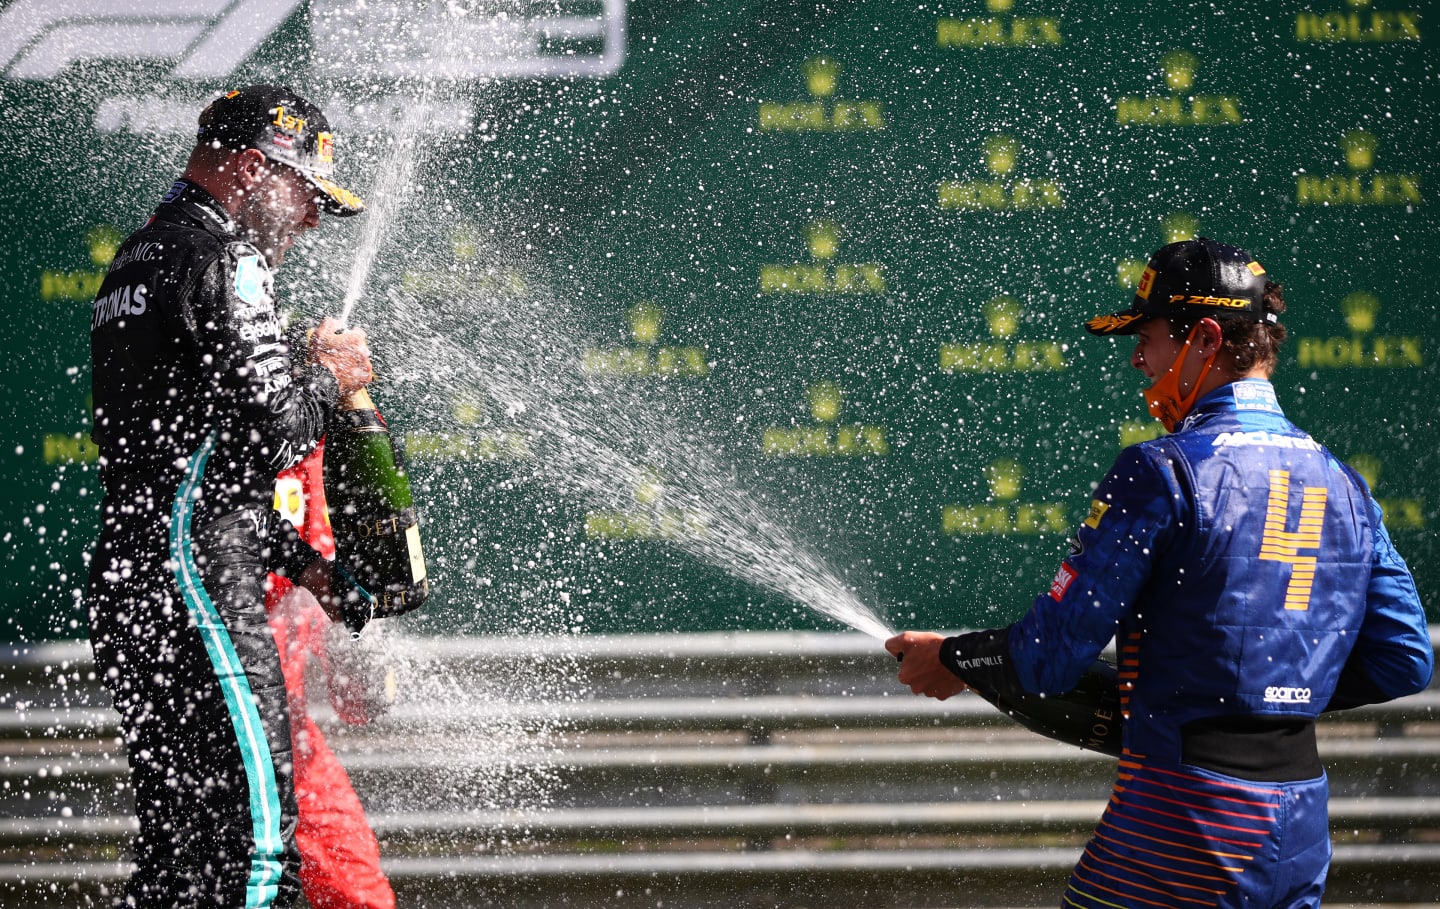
1163 398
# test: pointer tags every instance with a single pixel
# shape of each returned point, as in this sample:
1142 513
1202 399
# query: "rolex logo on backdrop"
1360 184
1400 513
823 274
1362 347
1003 352
826 436
823 111
1001 191
999 27
1359 24
1180 105
473 436
469 270
1004 511
80 285
646 356
650 517
1176 227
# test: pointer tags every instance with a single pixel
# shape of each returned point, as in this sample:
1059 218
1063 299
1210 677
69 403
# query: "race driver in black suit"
197 404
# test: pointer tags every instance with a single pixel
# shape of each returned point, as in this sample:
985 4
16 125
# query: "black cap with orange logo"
1193 279
287 129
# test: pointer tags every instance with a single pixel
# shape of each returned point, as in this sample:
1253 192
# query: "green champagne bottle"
1089 715
372 511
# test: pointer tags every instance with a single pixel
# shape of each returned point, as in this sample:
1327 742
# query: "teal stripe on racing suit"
266 859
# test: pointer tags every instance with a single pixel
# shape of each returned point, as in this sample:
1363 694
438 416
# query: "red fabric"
339 856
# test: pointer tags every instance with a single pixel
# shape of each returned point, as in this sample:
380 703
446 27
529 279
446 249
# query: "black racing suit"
196 407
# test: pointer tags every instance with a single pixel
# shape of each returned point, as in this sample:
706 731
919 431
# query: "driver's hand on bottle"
920 666
344 352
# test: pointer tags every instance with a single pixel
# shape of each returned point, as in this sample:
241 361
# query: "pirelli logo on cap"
1147 281
1097 511
1255 269
1198 300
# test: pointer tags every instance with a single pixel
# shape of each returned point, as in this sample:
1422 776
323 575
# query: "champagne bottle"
1088 715
372 511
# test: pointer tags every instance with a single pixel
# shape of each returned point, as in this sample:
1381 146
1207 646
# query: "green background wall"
826 261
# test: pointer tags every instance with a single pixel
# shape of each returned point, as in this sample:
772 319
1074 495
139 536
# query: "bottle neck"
359 399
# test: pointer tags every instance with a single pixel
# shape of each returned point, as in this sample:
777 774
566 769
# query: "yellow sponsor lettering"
665 525
1359 189
997 195
824 441
821 116
991 32
644 361
1133 432
1171 110
70 285
1403 514
1032 518
72 448
1361 352
810 278
1043 356
1379 26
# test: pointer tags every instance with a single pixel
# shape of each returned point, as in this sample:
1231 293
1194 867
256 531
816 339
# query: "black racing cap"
1193 279
287 129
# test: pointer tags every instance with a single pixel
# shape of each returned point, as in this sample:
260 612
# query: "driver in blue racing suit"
1249 583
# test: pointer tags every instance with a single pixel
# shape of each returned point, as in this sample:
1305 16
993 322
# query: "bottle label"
417 557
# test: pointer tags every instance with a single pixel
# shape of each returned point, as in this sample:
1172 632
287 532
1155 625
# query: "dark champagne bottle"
372 511
1088 715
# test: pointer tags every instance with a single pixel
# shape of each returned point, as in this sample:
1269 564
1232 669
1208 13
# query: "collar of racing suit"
199 206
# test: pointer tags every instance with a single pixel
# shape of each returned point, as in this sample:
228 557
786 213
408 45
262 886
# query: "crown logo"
1359 4
1179 69
1359 147
822 75
465 243
649 487
103 240
1180 226
1000 153
1004 478
1360 309
1002 315
825 398
999 6
645 319
1128 272
1368 466
469 411
824 239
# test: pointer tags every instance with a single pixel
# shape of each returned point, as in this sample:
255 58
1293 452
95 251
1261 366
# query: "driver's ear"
251 168
1211 335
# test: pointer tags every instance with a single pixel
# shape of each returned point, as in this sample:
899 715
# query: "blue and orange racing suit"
1249 583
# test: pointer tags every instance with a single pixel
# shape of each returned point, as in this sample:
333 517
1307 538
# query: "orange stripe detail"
1136 885
1171 856
1217 839
1165 868
1235 814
